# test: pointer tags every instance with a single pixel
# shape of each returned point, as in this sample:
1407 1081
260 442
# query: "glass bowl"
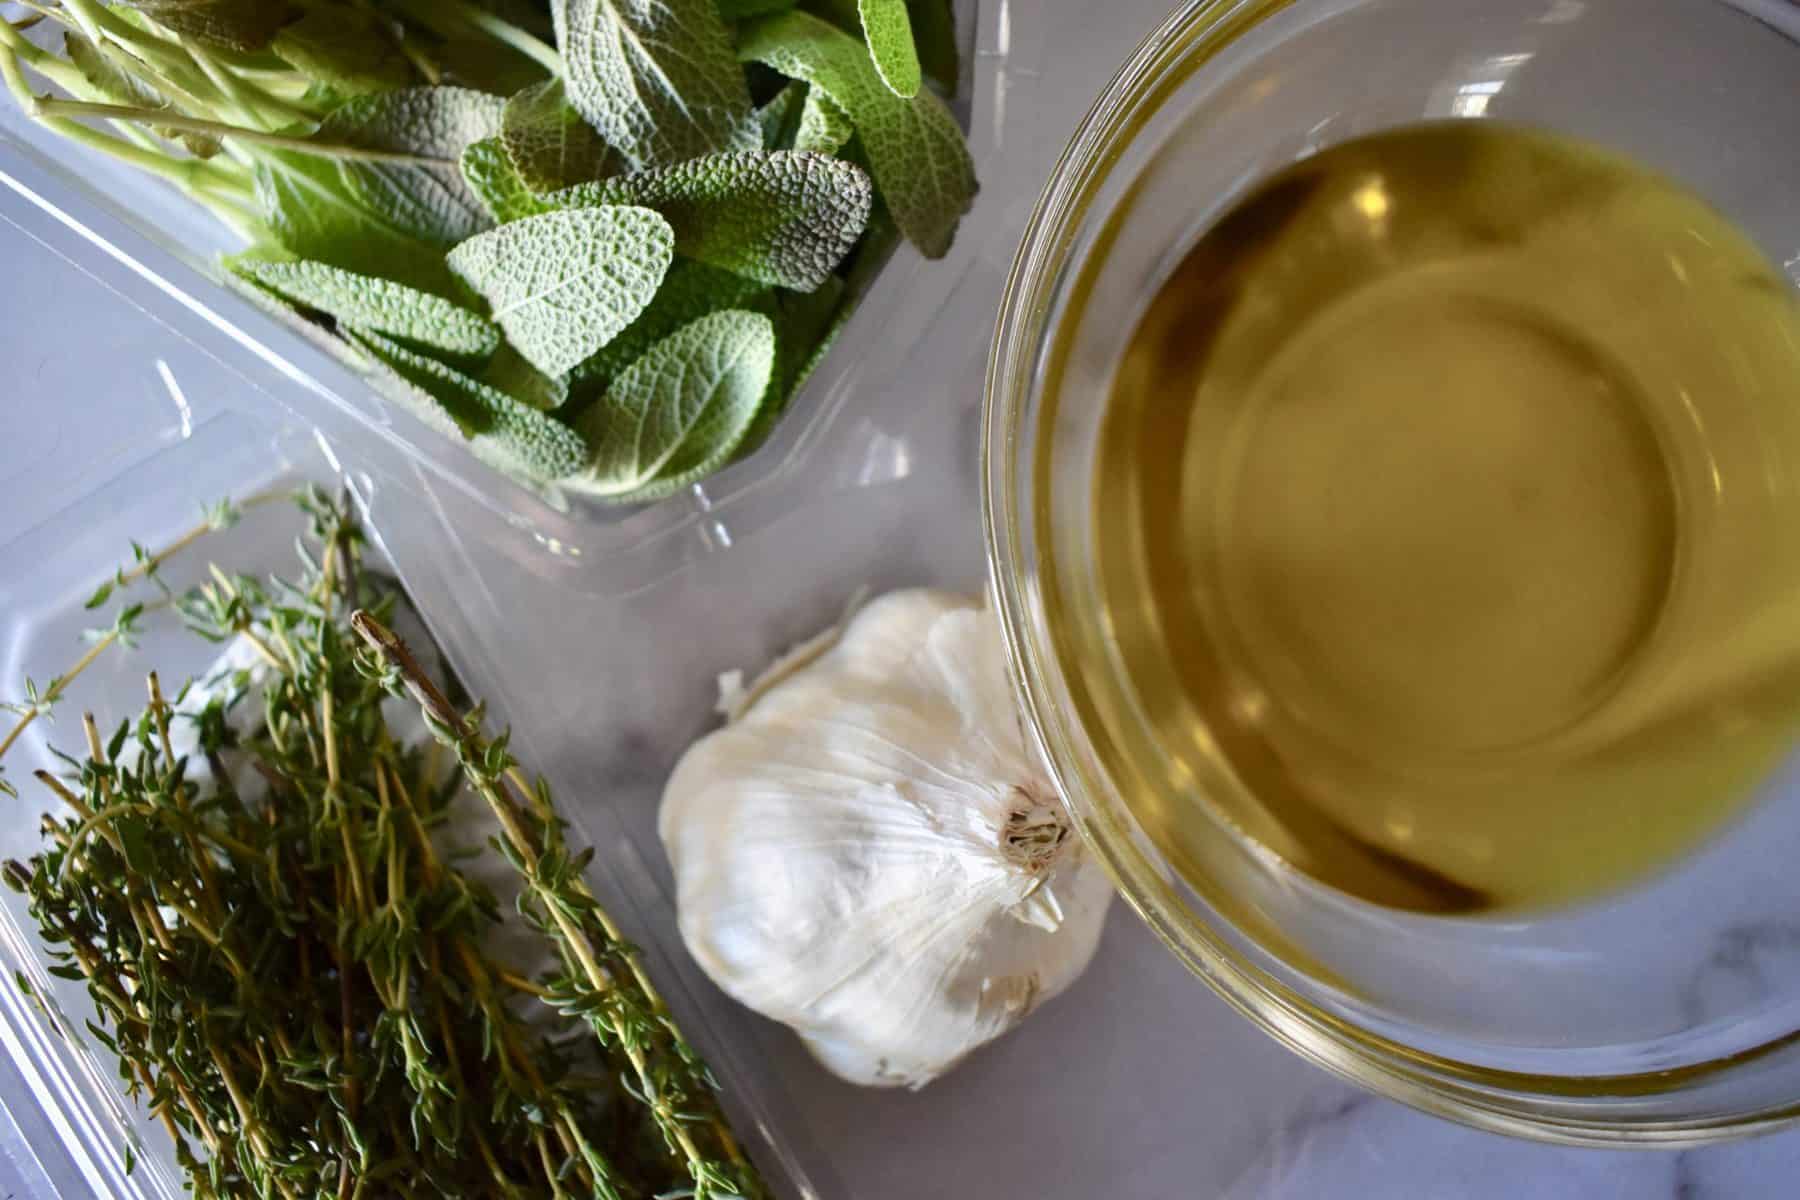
1665 1013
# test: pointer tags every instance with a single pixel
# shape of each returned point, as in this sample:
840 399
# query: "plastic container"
174 245
598 635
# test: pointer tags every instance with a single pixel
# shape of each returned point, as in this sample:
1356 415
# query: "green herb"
805 324
916 153
888 30
603 981
780 116
378 304
114 85
690 290
737 10
486 65
934 35
238 24
679 412
293 969
655 78
415 175
346 48
824 127
508 372
564 283
421 193
315 212
779 217
549 143
488 170
504 430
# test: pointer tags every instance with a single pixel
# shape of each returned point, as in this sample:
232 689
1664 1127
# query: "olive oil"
1448 509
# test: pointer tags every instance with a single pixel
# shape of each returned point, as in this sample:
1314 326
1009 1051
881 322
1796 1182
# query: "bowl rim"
1568 1110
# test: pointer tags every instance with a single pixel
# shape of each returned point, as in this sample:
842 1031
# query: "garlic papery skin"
870 853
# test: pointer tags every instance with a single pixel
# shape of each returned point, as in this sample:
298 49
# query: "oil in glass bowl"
1448 506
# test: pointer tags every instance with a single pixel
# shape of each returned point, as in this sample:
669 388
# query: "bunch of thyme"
295 977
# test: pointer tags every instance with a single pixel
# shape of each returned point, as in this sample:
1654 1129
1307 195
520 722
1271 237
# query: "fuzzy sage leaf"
488 170
483 64
824 128
681 410
916 152
502 430
779 217
550 144
315 212
737 10
426 198
655 78
780 116
378 304
510 373
689 291
348 49
238 24
563 284
888 30
806 323
113 84
934 36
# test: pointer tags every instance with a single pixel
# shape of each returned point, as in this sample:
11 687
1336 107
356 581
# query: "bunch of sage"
604 241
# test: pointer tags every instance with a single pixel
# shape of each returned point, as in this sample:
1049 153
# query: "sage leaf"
681 410
689 291
239 24
737 10
351 50
503 431
313 210
807 325
655 78
916 152
845 14
114 85
376 304
488 170
804 324
821 343
562 284
427 198
339 345
783 218
824 127
509 372
934 35
888 30
484 64
550 144
780 117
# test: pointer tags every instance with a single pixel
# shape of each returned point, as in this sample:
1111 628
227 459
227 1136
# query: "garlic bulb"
870 854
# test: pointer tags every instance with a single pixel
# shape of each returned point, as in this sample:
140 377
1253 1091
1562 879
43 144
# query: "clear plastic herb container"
140 389
174 246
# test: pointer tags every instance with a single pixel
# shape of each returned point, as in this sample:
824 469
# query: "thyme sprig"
296 975
602 980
